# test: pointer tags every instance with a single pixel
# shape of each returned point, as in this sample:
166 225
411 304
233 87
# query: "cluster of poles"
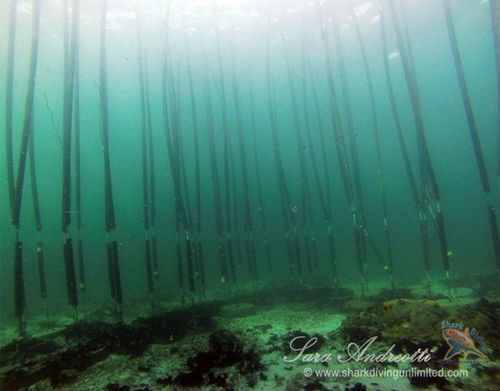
234 162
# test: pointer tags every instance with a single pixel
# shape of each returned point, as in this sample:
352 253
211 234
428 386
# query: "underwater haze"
164 153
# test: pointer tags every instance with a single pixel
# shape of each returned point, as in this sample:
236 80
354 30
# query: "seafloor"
237 340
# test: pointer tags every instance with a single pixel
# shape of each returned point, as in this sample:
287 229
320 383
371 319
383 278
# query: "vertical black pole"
388 266
19 293
109 220
471 122
27 130
70 53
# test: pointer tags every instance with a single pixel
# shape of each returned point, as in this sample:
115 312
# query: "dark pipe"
388 265
149 275
34 184
316 259
495 30
114 278
9 88
426 167
180 271
286 205
229 252
103 95
117 277
442 240
335 111
289 253
351 131
189 258
41 270
494 233
307 245
201 264
69 266
154 257
116 270
19 294
111 274
474 135
70 44
268 254
219 220
28 115
80 263
222 259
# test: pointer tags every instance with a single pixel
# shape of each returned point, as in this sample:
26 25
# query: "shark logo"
460 342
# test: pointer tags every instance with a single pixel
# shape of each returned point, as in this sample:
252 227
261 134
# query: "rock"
238 310
357 387
117 387
225 350
407 323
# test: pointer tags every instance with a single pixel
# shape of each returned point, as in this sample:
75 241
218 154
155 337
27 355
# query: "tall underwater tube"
213 186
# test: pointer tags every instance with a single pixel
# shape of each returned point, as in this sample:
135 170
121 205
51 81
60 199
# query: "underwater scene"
249 195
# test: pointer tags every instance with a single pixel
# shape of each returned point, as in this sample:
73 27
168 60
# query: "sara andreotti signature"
353 353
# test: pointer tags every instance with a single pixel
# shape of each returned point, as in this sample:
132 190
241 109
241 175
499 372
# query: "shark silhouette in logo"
460 342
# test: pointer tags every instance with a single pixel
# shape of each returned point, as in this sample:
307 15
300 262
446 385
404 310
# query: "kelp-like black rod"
78 177
197 222
214 170
471 122
227 145
9 88
351 131
247 216
287 210
304 178
177 137
70 53
307 69
109 221
495 30
495 21
27 130
356 170
174 146
19 292
38 220
429 185
172 125
169 123
145 160
260 198
236 209
427 174
335 112
40 259
395 114
359 229
380 168
466 100
28 115
70 43
424 236
152 176
323 193
405 54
